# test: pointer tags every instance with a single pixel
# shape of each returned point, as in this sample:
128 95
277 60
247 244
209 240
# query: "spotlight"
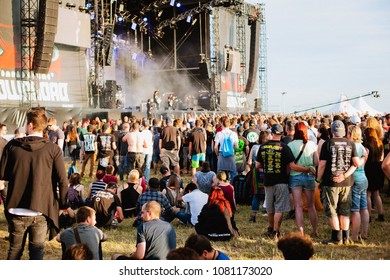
120 19
172 3
83 9
178 4
89 5
145 19
133 26
70 5
189 19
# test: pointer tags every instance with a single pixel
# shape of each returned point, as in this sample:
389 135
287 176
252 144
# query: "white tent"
362 107
343 106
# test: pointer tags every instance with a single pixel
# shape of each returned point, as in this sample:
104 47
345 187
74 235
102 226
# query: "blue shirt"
222 257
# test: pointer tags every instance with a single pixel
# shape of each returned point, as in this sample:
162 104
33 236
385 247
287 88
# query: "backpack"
74 198
227 146
242 190
72 169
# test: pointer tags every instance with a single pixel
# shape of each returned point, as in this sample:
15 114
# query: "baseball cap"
338 128
277 129
355 119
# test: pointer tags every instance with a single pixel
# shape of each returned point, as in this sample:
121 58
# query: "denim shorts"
303 180
359 196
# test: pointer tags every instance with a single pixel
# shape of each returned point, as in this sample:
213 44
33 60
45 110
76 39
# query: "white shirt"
196 199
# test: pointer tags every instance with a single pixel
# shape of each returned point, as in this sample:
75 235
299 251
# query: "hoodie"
35 171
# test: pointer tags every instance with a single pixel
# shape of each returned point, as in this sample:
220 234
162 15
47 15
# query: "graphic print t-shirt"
338 153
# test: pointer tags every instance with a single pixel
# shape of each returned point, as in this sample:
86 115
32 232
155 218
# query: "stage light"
172 3
133 26
121 7
89 5
189 19
145 19
120 19
70 5
178 4
83 9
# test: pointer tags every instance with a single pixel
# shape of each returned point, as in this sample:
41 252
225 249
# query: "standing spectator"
88 150
275 157
73 142
148 150
305 153
169 146
135 148
226 163
359 209
156 148
373 170
210 157
88 233
122 151
338 161
108 207
205 178
312 131
197 145
106 143
56 135
252 134
34 168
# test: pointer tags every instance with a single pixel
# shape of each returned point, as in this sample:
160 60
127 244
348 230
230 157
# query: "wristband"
319 181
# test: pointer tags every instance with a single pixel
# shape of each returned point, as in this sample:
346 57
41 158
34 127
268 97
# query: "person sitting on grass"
202 246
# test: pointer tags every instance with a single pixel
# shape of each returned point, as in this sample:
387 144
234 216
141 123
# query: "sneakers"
252 219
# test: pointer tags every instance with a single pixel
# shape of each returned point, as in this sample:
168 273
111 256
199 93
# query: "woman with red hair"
305 153
216 218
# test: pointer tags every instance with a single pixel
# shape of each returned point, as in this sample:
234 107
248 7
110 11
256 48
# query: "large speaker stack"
254 56
46 31
204 70
108 45
109 95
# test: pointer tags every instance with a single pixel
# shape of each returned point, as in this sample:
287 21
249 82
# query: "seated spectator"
153 193
296 246
215 221
182 253
75 183
78 251
202 246
94 187
88 233
205 178
155 238
173 191
166 175
227 188
195 200
109 175
66 218
130 194
108 207
142 180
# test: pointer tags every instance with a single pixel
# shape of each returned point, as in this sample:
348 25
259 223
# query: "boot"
252 219
346 240
381 218
335 239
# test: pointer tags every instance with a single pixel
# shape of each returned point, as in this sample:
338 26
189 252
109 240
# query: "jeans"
256 199
359 196
184 217
147 164
19 227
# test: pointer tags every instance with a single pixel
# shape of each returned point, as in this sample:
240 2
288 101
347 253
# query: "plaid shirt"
156 196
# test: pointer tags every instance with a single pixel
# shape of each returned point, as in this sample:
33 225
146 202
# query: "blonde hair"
355 133
133 176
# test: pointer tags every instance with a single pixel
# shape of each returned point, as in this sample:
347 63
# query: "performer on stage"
171 99
149 107
157 99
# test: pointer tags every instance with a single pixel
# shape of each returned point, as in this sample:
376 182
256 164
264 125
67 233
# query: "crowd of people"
137 168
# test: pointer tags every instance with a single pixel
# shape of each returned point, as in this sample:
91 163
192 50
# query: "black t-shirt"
338 153
275 157
105 203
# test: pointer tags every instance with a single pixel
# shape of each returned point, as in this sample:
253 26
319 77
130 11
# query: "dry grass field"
250 245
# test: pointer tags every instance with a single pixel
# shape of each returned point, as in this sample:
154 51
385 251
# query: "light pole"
283 94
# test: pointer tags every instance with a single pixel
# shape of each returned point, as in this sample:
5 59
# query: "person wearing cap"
169 144
338 162
355 120
275 157
108 206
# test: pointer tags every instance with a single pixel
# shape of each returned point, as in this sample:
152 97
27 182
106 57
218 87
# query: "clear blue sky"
318 50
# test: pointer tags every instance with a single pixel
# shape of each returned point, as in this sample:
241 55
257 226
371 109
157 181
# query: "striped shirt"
97 186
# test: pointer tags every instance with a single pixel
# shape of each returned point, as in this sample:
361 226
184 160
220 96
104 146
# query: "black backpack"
74 199
242 190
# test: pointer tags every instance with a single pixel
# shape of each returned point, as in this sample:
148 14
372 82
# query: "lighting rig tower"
263 87
215 46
